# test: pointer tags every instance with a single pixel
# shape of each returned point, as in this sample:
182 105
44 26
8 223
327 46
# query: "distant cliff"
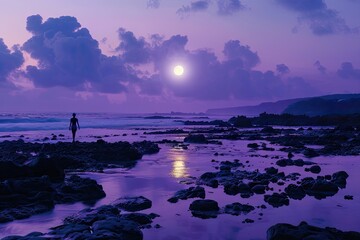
320 106
313 106
269 107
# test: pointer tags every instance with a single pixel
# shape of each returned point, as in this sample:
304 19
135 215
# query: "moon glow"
178 70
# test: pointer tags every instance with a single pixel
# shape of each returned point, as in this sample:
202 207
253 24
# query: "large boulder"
204 208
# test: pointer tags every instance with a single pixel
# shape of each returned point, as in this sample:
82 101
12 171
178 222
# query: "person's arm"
77 121
70 125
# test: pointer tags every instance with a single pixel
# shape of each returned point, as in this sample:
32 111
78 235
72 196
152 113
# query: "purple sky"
118 56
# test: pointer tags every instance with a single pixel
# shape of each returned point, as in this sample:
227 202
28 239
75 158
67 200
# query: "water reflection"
179 158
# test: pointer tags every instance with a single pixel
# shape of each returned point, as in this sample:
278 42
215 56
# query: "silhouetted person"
74 125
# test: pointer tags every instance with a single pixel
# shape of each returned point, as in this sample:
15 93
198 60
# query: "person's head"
74 114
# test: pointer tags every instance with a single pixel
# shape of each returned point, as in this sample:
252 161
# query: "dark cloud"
282 68
68 56
133 50
320 67
10 60
229 7
153 3
303 5
320 19
194 6
347 71
234 51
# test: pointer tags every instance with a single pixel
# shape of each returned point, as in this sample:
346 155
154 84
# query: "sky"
120 55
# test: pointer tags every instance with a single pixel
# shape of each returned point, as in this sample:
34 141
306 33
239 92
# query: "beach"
256 157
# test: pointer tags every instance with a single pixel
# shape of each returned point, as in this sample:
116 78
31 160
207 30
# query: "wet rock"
204 208
146 147
88 216
271 170
66 230
139 218
315 169
253 145
310 153
295 192
122 229
133 204
348 197
238 208
30 236
192 192
319 188
277 199
196 138
258 189
208 179
339 178
305 231
231 189
76 189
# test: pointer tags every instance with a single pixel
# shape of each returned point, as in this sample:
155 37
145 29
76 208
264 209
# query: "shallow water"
158 177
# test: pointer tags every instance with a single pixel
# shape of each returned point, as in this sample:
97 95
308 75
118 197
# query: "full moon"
178 70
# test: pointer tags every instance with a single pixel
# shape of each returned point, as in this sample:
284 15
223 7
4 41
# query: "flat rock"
133 204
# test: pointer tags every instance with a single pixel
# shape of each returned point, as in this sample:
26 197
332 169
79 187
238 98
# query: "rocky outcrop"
192 192
306 231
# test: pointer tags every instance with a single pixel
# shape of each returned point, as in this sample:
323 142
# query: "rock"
76 189
139 218
277 199
339 178
204 208
208 179
295 192
315 169
146 147
122 229
348 197
88 216
67 229
258 189
319 188
192 192
253 145
196 138
268 129
133 204
238 208
271 170
310 153
305 231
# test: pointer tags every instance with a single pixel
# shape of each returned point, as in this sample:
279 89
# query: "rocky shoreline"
34 177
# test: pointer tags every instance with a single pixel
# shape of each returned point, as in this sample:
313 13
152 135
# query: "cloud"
234 51
229 7
320 19
347 71
195 6
153 3
10 60
320 67
133 50
282 68
208 78
68 56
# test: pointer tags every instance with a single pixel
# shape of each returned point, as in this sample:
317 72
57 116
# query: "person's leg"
73 135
